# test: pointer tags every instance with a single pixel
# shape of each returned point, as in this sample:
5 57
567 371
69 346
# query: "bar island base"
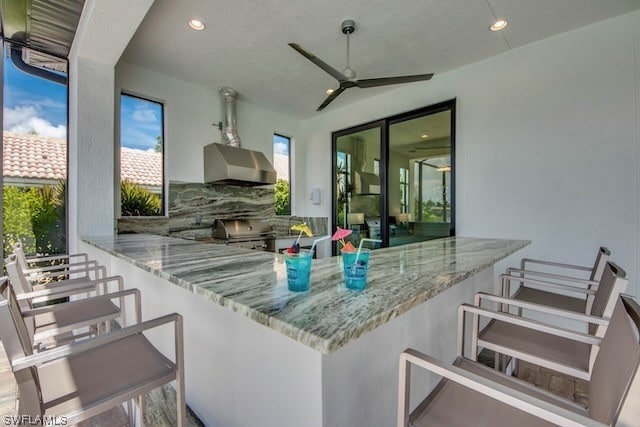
246 365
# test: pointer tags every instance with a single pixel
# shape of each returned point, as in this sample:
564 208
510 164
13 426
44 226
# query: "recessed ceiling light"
424 136
196 25
500 24
329 91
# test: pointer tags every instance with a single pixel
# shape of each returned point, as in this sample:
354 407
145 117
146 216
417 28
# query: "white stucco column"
104 31
91 148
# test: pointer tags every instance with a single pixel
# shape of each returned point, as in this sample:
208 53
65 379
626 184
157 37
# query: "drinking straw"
360 246
318 240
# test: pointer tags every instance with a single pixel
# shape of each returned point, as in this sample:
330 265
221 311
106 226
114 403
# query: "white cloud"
143 114
26 119
280 148
44 103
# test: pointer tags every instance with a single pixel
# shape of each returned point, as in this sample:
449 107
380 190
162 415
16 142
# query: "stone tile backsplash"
193 207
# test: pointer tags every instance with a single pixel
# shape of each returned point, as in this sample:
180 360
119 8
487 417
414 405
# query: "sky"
280 145
140 123
33 104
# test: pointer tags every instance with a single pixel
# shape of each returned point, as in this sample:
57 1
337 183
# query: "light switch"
315 196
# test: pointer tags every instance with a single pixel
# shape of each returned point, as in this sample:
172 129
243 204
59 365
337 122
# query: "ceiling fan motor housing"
348 26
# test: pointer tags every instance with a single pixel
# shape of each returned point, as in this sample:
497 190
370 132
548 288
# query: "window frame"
404 190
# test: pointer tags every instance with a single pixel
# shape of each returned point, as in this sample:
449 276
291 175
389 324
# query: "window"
282 163
404 190
35 155
141 157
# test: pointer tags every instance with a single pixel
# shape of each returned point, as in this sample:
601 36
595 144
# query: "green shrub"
281 192
48 218
36 217
138 201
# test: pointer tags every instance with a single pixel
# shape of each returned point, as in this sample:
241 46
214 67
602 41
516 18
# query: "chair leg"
132 418
180 401
141 406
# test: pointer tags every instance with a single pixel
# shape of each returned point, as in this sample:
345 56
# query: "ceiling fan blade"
330 98
319 62
383 81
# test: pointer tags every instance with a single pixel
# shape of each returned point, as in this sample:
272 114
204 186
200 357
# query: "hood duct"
228 163
365 183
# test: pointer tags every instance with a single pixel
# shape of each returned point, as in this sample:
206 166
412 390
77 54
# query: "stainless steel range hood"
227 163
366 183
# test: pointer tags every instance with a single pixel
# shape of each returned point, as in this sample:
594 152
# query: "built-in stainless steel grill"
246 233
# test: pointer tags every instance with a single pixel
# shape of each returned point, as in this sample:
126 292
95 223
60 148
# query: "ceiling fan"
347 78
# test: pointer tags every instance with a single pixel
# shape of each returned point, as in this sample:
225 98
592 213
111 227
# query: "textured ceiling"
245 42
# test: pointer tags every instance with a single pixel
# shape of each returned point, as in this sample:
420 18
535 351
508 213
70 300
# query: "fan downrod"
348 26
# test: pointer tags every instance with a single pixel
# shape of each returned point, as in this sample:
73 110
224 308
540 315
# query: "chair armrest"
70 305
53 274
552 276
43 295
58 257
80 283
530 324
50 268
524 261
524 280
502 393
40 359
541 308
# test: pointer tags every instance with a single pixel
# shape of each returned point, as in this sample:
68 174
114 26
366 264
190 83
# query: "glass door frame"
384 124
383 173
449 105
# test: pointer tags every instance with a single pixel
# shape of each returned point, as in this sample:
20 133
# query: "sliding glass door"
358 203
394 178
420 169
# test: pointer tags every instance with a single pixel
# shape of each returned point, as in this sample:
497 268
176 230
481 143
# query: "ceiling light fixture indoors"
329 91
197 24
499 24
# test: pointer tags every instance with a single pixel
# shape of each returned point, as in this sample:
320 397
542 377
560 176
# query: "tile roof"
281 165
38 157
141 167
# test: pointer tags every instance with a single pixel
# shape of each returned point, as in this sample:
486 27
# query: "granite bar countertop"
328 316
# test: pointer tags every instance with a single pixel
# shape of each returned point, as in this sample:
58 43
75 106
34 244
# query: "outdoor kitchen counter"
329 315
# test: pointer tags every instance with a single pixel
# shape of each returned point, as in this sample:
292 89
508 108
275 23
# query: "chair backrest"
598 267
18 280
612 284
19 285
18 251
614 389
18 343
